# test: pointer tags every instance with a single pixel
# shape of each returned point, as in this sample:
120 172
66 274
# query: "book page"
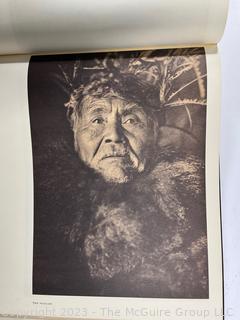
74 26
110 186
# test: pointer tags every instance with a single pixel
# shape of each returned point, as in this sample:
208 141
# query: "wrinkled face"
114 137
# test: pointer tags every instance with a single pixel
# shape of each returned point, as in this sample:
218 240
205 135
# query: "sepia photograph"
118 146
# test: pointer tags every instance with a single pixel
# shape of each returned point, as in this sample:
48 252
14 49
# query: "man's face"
114 137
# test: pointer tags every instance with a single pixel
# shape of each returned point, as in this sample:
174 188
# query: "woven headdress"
154 79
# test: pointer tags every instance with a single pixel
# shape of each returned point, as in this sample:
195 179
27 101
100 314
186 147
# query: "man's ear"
74 121
76 146
156 129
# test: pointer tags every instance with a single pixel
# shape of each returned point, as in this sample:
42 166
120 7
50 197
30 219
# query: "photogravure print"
119 174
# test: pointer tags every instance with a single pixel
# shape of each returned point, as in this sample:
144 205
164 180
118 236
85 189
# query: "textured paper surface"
68 26
16 228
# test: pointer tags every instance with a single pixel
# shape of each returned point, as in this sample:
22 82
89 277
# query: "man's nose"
114 133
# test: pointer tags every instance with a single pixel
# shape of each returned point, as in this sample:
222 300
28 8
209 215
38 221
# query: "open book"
110 178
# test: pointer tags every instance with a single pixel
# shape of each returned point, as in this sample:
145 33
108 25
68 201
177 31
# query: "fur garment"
145 238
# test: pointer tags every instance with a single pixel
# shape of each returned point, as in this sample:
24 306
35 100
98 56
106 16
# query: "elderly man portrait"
119 166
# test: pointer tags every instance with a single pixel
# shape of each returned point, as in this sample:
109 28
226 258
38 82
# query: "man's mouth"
114 155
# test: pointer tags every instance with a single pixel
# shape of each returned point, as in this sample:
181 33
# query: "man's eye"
131 120
98 120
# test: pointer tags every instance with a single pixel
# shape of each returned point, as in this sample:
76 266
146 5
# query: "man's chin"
116 174
118 169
